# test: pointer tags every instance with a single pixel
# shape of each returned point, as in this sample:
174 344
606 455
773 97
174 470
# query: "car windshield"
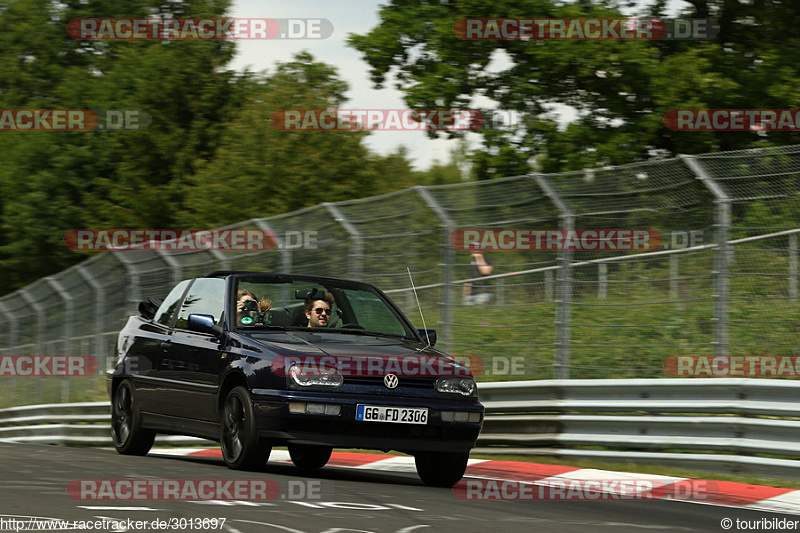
264 303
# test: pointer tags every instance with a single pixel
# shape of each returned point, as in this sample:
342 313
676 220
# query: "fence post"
99 311
40 325
286 254
174 265
793 265
564 280
673 276
134 292
13 339
448 264
722 258
602 281
69 305
356 270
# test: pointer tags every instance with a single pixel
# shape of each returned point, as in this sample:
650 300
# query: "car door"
147 348
191 366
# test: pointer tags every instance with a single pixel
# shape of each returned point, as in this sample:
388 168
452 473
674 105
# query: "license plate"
395 415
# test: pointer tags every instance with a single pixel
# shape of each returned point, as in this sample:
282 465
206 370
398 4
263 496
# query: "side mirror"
204 324
428 335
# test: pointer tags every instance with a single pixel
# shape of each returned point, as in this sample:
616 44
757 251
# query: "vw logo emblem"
391 381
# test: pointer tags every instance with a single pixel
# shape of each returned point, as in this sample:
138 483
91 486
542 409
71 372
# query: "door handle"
165 346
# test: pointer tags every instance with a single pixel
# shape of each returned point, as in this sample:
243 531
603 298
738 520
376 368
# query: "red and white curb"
726 493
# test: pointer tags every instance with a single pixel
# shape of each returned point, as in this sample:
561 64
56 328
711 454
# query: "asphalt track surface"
34 481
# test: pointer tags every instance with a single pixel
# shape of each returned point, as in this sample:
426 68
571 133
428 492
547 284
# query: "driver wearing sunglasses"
319 312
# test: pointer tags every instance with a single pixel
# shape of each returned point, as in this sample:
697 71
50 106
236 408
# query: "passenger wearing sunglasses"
318 312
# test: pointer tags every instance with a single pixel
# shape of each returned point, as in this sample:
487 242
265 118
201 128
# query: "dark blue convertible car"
256 360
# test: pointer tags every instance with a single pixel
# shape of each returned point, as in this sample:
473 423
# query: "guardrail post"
567 222
356 269
448 264
722 258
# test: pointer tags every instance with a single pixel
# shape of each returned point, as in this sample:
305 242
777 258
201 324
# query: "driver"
318 312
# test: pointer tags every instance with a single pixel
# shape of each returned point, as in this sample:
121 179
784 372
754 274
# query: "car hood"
359 354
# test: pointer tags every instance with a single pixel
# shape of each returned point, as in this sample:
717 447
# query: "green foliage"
260 170
52 182
209 157
619 90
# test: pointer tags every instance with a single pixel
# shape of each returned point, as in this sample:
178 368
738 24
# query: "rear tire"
126 423
241 447
441 469
309 457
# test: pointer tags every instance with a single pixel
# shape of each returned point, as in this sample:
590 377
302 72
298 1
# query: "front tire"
126 423
241 447
309 457
441 469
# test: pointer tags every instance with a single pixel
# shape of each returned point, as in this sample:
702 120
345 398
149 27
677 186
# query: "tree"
51 182
619 90
262 170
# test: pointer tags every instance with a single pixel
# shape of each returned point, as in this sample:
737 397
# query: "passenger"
243 296
318 312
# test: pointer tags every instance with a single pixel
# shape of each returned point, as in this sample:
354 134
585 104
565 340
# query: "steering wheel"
352 325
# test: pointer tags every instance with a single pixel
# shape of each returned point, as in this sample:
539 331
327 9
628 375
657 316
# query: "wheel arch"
229 382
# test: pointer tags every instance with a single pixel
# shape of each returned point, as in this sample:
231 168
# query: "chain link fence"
723 281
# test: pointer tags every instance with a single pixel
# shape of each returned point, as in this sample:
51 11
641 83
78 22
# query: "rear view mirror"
306 294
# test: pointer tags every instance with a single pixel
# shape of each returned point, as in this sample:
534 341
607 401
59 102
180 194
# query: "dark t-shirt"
478 287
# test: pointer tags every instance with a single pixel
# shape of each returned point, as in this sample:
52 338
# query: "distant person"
318 312
477 292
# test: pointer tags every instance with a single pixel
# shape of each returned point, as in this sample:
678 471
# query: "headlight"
316 377
465 386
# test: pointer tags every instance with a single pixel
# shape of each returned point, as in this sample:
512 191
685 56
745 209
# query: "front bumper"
277 424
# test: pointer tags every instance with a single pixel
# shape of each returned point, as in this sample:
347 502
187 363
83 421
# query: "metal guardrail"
727 425
87 424
717 424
